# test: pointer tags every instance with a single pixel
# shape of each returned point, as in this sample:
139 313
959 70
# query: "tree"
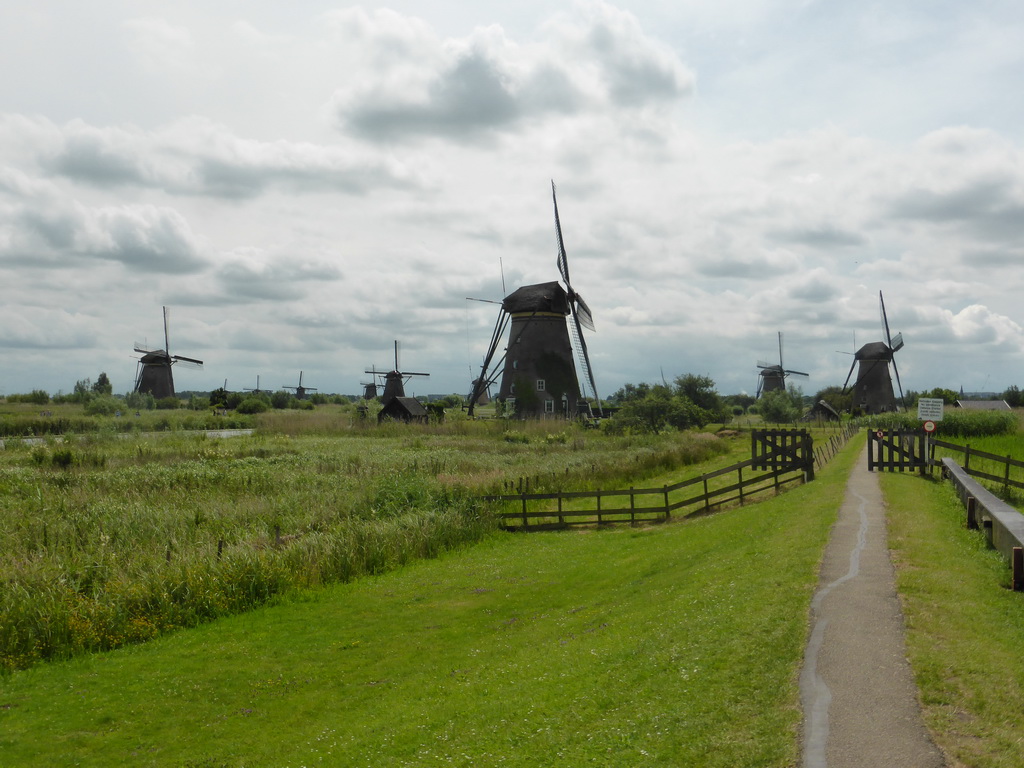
835 398
701 391
103 385
781 406
281 399
83 391
219 398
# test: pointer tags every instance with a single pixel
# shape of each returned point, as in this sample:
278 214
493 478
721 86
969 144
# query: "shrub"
252 405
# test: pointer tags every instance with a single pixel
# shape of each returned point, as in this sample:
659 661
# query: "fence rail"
780 458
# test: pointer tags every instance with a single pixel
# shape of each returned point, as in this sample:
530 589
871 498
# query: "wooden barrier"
791 461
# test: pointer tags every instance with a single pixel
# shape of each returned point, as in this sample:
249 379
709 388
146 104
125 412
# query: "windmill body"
772 378
545 339
153 374
539 376
873 391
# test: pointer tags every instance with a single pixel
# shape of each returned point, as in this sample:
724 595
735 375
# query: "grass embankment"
672 645
109 541
964 626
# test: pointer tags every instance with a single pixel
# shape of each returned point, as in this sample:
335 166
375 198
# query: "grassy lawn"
673 645
965 628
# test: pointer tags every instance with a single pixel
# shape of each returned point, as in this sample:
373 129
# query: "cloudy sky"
302 183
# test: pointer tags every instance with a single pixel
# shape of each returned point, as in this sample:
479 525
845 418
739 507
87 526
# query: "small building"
407 409
983 405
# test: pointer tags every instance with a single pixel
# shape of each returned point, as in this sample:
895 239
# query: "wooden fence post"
739 482
561 520
526 521
1018 569
632 507
668 511
707 501
599 507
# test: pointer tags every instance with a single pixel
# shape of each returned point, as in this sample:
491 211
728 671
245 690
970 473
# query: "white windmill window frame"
542 385
549 406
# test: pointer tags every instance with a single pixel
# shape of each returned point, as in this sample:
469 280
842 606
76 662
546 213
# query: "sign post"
929 410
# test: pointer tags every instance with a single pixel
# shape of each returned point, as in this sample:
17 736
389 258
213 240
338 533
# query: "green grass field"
673 645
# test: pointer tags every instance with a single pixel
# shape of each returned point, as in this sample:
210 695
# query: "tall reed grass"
109 541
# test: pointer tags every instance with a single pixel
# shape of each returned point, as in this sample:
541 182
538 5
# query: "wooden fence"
968 453
781 457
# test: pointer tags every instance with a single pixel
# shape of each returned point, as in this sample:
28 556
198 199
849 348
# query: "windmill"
394 380
300 391
872 391
153 372
773 376
538 370
370 387
256 390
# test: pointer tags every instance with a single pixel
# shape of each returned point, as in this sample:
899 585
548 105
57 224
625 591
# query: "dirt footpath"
859 699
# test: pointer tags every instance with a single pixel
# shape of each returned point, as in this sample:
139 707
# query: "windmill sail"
581 314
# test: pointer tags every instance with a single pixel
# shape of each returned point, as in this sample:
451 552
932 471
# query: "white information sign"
929 409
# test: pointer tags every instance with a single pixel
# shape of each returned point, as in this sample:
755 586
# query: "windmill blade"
885 321
586 359
563 262
852 365
898 383
183 359
760 385
482 381
167 340
795 373
897 343
582 311
781 364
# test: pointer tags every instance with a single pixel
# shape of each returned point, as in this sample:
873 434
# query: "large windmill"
538 370
300 390
394 380
872 391
773 376
153 372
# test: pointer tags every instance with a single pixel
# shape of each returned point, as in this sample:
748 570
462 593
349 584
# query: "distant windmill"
256 390
872 391
370 387
773 376
394 380
538 371
153 372
300 391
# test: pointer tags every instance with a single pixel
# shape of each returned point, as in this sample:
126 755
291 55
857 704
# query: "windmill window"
549 406
541 385
510 405
511 389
